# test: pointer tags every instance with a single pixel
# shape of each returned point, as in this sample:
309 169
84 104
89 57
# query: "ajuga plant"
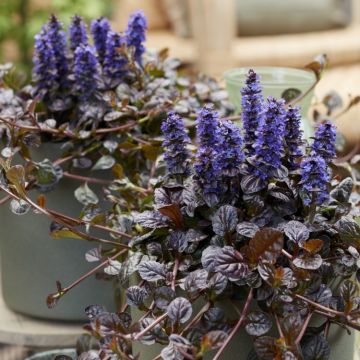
260 245
101 96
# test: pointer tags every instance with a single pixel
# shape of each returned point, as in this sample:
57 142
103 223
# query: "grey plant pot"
343 346
31 260
50 355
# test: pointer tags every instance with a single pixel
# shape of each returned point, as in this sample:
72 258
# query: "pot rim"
67 351
298 76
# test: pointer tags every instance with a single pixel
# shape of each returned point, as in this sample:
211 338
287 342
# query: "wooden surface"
22 330
342 46
345 80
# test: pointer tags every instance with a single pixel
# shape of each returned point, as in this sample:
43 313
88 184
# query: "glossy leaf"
247 229
258 323
349 230
296 231
93 255
179 310
224 221
151 271
343 190
135 295
163 296
85 195
312 262
251 184
151 219
113 267
208 258
19 207
315 347
104 163
230 263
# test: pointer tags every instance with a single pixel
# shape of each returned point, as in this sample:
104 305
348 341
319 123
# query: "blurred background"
214 35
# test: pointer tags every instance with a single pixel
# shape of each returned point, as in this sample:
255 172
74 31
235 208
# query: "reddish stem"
303 329
174 273
151 326
237 326
86 179
92 271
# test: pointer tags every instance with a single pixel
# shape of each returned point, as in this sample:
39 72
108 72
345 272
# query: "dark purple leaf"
296 231
152 271
343 190
151 220
93 311
258 323
252 184
312 262
315 347
208 258
196 280
230 263
225 219
163 296
178 241
247 229
135 295
179 310
349 230
218 283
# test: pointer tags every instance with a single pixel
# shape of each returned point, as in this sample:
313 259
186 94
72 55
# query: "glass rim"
304 76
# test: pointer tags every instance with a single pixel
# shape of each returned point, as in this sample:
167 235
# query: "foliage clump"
269 239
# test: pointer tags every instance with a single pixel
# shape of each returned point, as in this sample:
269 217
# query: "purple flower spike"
314 180
44 72
208 171
207 127
253 110
99 30
86 72
114 61
136 33
57 40
176 139
207 164
230 151
269 145
77 32
324 142
293 137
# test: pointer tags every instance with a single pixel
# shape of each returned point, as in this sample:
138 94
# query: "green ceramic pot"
50 355
343 346
31 260
278 82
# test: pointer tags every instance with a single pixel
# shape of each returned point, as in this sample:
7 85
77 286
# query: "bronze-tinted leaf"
213 339
312 246
41 200
318 65
266 246
16 176
173 212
